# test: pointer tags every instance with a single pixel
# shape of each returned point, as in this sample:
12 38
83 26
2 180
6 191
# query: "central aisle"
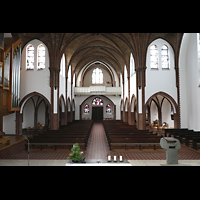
97 147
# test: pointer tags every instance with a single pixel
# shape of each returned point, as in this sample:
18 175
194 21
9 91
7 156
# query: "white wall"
132 78
166 113
28 115
125 83
154 112
69 83
35 80
189 81
88 76
87 66
160 79
9 124
62 84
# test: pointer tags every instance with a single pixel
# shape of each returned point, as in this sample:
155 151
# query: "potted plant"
76 155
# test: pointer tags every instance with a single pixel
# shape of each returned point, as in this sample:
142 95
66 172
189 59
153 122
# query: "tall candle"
115 158
109 158
120 158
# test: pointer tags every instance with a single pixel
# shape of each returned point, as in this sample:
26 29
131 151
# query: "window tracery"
97 76
154 57
30 57
41 57
97 101
165 57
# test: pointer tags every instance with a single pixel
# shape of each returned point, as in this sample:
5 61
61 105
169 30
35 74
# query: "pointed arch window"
154 57
41 57
97 76
97 101
86 108
165 57
132 67
30 57
108 108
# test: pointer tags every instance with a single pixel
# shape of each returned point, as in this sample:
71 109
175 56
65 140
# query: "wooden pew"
196 143
66 136
4 141
122 135
189 138
140 142
55 142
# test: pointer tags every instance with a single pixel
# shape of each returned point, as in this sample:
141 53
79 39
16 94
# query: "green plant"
76 155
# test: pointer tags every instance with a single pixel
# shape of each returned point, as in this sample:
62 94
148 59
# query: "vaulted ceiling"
111 48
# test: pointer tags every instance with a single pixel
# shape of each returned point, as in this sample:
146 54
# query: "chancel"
116 94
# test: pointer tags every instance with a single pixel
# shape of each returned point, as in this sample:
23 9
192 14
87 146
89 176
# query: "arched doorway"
91 104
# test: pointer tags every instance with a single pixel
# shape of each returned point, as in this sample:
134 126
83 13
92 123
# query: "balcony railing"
97 90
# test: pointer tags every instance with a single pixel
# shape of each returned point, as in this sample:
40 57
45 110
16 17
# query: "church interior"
114 94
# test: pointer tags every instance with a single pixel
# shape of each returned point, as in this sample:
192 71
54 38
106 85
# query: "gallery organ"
10 62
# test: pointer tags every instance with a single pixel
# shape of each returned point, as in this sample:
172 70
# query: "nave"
97 148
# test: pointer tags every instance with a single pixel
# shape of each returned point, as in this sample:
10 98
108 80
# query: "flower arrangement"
76 155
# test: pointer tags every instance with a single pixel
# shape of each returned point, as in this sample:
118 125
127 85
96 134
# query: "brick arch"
22 105
94 97
171 101
167 96
28 96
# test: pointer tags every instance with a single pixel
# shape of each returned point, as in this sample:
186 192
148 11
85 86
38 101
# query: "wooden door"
97 113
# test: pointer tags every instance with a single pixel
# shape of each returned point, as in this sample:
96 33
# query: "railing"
97 90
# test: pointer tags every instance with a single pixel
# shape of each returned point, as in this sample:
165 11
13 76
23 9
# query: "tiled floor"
97 145
97 149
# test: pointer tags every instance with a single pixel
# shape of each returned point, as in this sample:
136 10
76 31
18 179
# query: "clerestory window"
30 57
41 57
165 57
154 57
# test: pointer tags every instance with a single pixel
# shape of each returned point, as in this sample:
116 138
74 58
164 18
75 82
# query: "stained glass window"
97 101
86 109
97 76
41 56
154 57
108 108
30 57
165 57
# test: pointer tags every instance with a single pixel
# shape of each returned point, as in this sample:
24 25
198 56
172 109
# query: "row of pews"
189 137
121 135
4 140
77 131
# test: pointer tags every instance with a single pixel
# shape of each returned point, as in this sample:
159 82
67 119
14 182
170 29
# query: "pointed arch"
37 100
158 103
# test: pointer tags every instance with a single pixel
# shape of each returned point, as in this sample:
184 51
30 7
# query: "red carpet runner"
97 146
